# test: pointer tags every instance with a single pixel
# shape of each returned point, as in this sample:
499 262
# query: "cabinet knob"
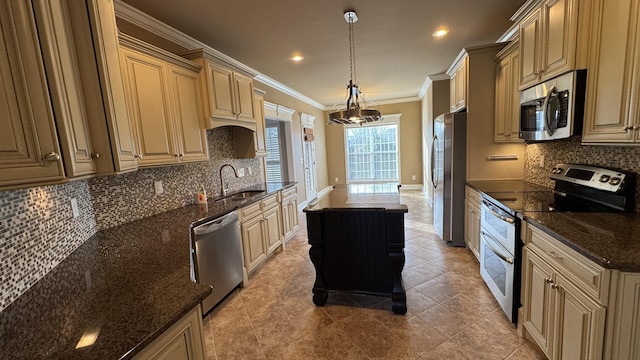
95 156
547 280
627 127
52 157
137 156
177 155
553 255
554 285
636 127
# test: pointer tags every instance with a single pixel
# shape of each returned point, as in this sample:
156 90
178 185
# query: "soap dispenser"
201 196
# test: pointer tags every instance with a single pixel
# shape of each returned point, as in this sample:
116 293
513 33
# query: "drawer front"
591 278
472 195
288 192
269 202
249 212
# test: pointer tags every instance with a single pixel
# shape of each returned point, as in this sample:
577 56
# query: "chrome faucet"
224 190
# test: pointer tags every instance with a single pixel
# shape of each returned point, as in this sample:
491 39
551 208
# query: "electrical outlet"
413 177
241 172
250 170
74 208
336 179
157 187
541 164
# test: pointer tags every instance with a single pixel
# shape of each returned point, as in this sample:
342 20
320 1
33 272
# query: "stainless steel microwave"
553 109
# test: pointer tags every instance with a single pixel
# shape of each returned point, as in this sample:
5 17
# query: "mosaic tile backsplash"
571 151
37 228
37 231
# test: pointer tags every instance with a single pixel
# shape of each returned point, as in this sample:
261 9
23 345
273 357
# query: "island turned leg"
315 254
319 291
398 295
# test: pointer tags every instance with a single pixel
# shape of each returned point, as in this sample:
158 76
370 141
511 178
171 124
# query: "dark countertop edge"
599 260
159 331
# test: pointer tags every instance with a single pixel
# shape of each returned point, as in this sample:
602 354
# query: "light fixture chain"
352 50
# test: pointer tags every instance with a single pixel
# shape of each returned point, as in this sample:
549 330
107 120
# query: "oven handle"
493 249
490 208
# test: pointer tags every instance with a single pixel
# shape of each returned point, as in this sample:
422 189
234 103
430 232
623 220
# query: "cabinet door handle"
628 127
52 157
95 156
137 156
553 255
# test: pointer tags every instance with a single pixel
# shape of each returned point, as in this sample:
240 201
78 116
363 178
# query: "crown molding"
397 101
136 17
428 81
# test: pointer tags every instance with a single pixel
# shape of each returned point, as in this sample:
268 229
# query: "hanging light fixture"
353 113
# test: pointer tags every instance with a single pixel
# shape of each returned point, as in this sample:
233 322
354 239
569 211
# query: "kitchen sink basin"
246 194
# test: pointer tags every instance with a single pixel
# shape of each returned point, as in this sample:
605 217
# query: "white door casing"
309 149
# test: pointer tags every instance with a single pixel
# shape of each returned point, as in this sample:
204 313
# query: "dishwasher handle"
216 224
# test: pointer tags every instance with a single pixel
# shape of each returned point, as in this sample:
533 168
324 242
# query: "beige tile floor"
451 314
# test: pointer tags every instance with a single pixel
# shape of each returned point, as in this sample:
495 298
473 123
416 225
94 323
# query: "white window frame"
390 119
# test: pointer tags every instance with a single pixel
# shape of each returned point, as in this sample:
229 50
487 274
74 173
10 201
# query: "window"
276 151
372 153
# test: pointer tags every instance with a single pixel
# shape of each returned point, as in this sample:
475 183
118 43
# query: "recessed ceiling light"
440 32
297 58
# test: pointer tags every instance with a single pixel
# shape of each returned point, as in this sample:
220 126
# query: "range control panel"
591 176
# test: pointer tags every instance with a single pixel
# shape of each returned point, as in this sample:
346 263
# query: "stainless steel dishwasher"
216 257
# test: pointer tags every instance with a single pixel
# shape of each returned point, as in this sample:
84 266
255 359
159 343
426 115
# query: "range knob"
615 181
604 178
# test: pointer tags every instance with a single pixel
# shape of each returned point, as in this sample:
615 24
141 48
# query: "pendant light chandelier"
353 113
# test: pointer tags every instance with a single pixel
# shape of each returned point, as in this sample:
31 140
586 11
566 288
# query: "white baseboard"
412 187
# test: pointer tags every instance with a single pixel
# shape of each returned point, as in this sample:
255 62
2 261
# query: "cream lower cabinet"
184 340
611 112
163 104
564 299
260 225
289 212
472 221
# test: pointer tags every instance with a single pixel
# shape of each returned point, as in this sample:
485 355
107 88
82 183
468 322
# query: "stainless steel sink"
246 194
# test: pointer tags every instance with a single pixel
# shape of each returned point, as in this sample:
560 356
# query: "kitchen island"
356 233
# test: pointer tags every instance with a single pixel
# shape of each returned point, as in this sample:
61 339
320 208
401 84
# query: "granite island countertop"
128 284
359 196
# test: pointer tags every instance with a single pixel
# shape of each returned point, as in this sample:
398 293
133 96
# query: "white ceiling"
395 51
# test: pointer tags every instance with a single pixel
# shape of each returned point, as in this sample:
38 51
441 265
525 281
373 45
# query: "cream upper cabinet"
548 40
612 112
163 105
260 135
29 149
507 118
228 94
185 92
458 85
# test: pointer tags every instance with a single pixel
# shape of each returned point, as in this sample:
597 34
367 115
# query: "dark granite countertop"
611 240
128 284
505 186
360 196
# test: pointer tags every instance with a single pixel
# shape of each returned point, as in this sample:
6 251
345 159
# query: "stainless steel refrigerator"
448 176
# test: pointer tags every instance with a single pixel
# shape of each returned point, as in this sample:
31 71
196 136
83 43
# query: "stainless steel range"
578 188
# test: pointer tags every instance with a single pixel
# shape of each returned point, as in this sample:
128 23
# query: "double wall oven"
578 188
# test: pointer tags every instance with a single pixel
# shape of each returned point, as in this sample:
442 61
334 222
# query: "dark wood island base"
357 245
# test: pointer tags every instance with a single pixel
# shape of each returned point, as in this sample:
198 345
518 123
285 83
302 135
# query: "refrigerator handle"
433 162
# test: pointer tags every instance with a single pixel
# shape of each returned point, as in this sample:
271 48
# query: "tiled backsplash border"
37 228
572 151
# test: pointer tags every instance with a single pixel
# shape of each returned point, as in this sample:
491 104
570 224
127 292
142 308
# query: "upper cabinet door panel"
529 39
65 87
559 37
149 108
27 130
244 104
186 99
221 99
611 107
